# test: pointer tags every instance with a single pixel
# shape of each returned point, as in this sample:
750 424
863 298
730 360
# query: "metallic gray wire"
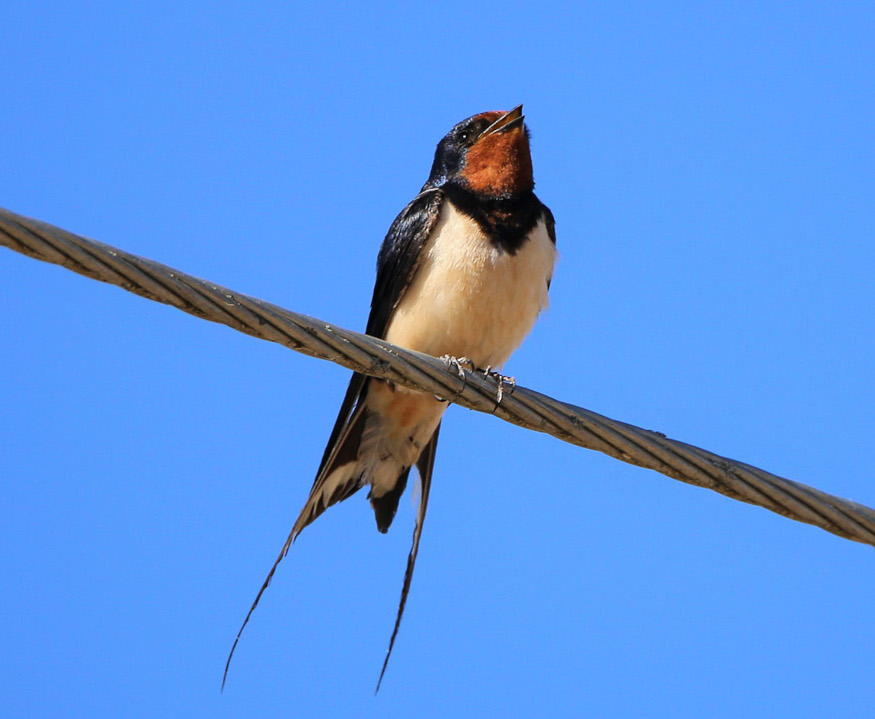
374 357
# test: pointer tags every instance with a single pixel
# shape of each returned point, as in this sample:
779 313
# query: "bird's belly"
470 298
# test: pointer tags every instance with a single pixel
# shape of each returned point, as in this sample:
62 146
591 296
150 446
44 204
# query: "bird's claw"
462 363
458 363
502 380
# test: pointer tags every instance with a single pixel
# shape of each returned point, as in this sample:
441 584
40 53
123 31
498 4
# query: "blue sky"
710 168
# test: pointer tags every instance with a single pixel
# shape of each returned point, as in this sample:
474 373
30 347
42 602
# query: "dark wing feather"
424 465
400 256
550 222
396 264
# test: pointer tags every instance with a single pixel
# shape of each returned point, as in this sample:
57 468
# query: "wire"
473 390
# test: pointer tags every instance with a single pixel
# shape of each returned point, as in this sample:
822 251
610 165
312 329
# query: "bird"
463 273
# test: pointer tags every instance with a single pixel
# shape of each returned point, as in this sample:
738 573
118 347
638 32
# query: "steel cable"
473 390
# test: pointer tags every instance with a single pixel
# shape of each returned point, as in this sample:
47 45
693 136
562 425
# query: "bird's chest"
471 298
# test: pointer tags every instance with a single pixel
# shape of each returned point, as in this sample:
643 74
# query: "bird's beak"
508 121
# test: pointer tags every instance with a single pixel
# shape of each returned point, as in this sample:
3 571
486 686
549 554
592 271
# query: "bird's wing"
396 264
550 221
401 255
398 260
425 465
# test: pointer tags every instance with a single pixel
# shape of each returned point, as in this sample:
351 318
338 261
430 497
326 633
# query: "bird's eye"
464 136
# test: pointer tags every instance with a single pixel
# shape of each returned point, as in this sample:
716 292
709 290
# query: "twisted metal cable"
473 390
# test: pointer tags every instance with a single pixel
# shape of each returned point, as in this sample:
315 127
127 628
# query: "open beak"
508 121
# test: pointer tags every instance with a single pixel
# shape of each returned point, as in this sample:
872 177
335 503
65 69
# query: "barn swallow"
463 272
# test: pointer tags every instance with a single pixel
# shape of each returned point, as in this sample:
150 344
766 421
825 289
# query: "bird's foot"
506 385
502 380
459 363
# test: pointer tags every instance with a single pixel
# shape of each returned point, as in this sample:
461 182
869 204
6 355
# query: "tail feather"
335 481
386 505
424 465
357 454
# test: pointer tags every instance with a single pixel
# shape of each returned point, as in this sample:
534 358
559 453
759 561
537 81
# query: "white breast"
471 299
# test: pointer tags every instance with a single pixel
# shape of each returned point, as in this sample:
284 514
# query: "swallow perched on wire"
463 272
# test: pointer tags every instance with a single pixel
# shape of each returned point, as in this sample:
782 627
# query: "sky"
710 168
